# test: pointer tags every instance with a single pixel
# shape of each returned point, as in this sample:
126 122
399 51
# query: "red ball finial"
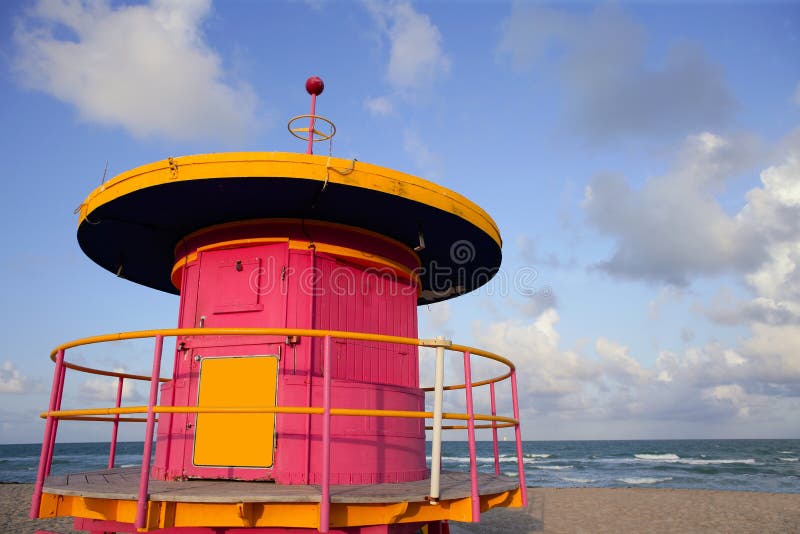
315 85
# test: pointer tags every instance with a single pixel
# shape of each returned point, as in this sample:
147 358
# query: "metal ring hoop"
320 136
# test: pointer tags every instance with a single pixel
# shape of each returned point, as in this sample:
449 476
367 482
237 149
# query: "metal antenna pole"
314 87
310 149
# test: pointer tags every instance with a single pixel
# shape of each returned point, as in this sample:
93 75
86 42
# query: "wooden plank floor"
123 483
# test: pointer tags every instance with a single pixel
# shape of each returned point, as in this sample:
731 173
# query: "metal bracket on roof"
173 169
421 238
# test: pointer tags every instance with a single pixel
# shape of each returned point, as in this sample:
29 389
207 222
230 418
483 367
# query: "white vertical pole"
438 394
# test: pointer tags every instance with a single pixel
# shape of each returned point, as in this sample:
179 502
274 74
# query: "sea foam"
692 461
674 458
658 457
553 467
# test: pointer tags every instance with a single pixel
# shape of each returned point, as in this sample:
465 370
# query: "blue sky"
642 161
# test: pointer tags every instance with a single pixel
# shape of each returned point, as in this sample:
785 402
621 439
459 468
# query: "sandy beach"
553 510
586 510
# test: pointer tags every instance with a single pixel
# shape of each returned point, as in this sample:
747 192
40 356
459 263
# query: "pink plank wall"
373 302
280 284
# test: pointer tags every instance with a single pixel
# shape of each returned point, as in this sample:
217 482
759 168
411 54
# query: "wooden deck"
123 484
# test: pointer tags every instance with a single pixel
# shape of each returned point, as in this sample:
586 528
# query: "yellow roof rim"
291 165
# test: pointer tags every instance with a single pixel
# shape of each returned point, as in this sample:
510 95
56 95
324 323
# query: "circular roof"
131 224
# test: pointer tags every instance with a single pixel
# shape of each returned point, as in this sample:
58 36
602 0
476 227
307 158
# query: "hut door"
241 288
237 288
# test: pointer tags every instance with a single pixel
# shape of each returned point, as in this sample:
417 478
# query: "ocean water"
19 463
769 465
743 465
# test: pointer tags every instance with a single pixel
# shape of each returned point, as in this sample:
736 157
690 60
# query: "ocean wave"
669 457
534 455
785 452
675 459
787 459
490 459
692 461
579 480
512 474
643 480
459 459
553 467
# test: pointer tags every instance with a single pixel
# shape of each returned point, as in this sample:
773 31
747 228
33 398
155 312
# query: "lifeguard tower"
294 403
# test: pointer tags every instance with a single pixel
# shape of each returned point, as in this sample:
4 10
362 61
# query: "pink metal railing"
59 396
144 479
112 452
325 500
518 436
473 457
46 456
51 426
494 431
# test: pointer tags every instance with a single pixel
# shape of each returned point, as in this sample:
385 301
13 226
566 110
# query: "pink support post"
47 441
494 431
520 461
473 460
113 450
144 479
325 500
309 373
310 149
51 449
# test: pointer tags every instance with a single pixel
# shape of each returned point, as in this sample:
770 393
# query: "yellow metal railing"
504 422
81 415
493 421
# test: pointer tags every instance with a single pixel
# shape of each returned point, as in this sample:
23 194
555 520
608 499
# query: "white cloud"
618 362
779 278
753 382
104 389
725 308
666 295
547 373
380 105
673 228
416 56
611 88
771 358
732 395
422 156
11 380
143 67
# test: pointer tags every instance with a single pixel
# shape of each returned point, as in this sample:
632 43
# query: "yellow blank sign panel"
236 440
